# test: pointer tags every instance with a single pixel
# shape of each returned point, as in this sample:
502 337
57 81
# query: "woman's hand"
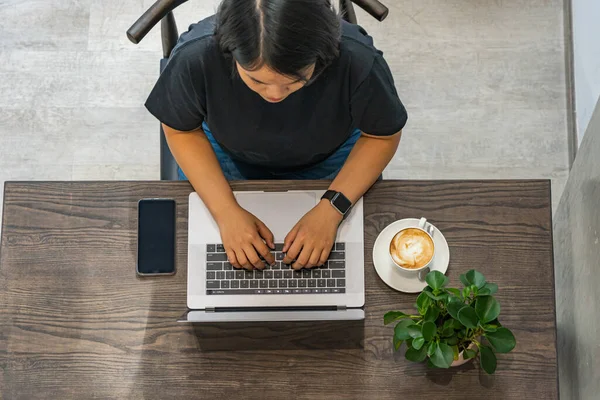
244 238
311 239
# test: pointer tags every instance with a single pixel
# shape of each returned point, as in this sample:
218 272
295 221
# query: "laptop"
218 292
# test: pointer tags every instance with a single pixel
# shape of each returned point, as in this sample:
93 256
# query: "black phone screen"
156 236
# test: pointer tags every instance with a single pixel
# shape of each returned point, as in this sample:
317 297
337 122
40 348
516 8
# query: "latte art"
412 248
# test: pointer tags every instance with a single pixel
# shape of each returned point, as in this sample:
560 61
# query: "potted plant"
451 324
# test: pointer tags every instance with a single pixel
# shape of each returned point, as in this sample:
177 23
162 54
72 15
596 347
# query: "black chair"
162 11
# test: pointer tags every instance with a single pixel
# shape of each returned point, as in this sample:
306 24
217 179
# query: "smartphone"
156 237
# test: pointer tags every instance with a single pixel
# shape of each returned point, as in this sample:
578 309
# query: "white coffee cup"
415 240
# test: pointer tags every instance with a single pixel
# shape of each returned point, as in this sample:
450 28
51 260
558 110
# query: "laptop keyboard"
223 278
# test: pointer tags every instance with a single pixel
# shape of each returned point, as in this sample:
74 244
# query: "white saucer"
393 276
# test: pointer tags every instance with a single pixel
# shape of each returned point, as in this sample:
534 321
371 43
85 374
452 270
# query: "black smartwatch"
338 201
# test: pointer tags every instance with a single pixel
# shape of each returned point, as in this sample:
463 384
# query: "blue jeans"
326 169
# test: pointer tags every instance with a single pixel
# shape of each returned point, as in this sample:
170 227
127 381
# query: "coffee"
412 248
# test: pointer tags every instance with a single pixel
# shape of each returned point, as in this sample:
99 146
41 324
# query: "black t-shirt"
356 91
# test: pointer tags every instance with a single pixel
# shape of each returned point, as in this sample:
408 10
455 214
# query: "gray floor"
483 81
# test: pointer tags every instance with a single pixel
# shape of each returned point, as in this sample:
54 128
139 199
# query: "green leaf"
433 296
456 324
473 289
447 332
475 278
455 292
492 326
416 355
447 324
447 328
455 352
432 314
488 359
392 316
452 340
418 343
397 343
431 348
442 356
414 331
455 299
423 303
468 317
430 364
492 287
401 330
487 308
484 292
436 279
454 308
428 330
468 354
502 339
466 292
463 279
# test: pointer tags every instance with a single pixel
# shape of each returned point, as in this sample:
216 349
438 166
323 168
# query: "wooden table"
76 322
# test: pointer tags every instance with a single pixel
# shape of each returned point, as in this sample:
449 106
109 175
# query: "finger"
253 258
242 259
289 239
314 258
266 234
324 256
302 261
232 258
264 252
293 251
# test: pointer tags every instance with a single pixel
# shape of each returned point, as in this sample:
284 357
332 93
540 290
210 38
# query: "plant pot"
461 360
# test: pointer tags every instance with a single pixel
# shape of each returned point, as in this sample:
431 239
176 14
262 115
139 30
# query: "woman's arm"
367 160
242 233
195 156
310 241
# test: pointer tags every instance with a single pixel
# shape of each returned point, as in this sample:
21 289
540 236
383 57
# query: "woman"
278 89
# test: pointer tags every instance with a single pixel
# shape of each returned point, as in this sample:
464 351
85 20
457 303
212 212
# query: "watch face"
341 203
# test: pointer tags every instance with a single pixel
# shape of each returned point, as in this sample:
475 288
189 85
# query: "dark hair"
286 35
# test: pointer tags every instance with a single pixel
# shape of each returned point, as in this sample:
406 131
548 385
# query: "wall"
577 272
586 59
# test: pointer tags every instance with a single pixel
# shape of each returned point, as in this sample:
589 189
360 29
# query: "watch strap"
329 195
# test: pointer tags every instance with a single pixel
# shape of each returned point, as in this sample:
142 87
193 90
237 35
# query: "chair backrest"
162 9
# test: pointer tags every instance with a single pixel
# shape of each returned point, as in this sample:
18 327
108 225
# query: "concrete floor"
483 81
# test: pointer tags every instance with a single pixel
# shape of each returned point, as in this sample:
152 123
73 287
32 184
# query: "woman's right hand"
246 239
243 234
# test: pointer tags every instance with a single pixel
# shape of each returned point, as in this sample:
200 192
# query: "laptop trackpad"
280 211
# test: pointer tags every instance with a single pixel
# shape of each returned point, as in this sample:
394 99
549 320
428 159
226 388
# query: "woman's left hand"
310 240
